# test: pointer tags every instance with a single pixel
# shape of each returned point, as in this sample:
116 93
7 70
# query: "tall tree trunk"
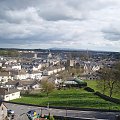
111 88
104 87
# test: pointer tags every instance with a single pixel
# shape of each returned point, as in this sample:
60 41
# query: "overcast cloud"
78 24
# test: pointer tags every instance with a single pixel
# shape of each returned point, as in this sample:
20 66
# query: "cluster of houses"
25 73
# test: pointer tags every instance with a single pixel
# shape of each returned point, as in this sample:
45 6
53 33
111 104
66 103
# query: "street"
21 110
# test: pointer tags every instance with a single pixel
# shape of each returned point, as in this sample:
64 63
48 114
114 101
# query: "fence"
117 101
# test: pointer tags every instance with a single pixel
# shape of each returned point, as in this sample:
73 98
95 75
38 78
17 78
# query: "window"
7 96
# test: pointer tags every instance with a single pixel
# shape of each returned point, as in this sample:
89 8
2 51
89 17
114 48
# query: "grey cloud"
71 23
111 34
49 10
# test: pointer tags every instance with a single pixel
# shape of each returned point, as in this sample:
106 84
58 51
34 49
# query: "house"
23 85
93 76
90 68
10 61
34 65
58 82
87 68
15 66
35 75
95 68
71 63
12 66
22 75
4 77
12 84
3 111
7 94
47 72
53 69
28 85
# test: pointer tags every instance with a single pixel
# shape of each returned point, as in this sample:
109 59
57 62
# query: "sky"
75 24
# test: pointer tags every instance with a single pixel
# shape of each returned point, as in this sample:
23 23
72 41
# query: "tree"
117 85
109 80
101 84
51 118
11 53
47 86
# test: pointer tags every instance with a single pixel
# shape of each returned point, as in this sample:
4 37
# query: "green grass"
69 98
93 84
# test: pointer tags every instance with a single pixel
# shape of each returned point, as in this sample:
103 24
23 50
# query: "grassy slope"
93 84
71 97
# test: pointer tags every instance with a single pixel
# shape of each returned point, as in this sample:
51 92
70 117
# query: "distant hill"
69 49
58 49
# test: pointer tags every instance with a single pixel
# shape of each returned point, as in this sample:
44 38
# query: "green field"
93 85
69 98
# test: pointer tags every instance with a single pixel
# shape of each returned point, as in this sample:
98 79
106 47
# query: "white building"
35 75
96 68
4 77
7 94
12 67
51 70
26 75
16 67
28 84
21 76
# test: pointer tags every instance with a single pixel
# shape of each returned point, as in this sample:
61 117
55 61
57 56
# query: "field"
69 98
93 84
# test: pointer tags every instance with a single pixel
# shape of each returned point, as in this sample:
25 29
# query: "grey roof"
6 91
12 82
4 73
26 83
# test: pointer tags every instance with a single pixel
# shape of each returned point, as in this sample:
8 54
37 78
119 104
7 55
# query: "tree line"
9 53
110 79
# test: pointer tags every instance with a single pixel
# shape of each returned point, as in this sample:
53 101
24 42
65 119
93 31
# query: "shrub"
51 118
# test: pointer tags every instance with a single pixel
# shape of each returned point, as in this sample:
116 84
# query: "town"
59 60
24 72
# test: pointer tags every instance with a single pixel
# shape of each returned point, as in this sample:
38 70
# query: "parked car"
11 113
31 113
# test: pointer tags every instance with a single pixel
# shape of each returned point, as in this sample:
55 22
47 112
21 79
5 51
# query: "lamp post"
66 107
48 108
41 111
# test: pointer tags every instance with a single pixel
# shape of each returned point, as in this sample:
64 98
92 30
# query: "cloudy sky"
78 24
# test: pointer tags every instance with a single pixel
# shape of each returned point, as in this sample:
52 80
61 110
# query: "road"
93 115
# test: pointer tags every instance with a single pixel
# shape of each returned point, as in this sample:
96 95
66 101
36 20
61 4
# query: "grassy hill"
69 98
93 84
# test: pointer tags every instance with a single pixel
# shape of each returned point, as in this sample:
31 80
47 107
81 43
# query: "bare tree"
109 80
47 86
